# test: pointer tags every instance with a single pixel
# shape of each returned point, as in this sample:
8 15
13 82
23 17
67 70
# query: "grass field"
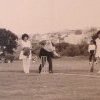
71 81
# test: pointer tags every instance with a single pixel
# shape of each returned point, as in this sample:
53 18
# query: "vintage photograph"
49 50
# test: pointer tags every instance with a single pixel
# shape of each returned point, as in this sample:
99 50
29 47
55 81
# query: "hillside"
68 36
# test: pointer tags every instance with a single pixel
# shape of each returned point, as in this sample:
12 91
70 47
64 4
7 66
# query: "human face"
25 38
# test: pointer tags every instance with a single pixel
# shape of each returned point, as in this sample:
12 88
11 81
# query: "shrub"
83 48
66 49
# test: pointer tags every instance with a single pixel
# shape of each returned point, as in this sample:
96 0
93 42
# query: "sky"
43 16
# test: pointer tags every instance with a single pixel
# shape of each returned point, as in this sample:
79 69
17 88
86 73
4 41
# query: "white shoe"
26 72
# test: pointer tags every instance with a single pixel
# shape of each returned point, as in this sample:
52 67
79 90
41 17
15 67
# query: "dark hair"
93 41
43 42
95 36
25 35
98 32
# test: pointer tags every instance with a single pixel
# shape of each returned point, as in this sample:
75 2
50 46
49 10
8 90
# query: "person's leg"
50 64
26 65
90 57
40 68
43 62
94 58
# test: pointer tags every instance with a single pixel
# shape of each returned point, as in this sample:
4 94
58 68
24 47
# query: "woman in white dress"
26 55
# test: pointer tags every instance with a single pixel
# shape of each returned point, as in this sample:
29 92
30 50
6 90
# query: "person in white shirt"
48 46
26 55
51 48
92 50
98 46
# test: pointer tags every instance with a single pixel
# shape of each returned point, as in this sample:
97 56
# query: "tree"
78 32
8 40
93 32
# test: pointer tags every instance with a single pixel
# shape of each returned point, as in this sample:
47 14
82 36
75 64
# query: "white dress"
98 47
26 60
23 45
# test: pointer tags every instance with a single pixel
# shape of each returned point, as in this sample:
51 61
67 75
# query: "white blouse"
26 44
91 47
23 45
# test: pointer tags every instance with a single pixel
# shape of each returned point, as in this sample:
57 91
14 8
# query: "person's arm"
30 45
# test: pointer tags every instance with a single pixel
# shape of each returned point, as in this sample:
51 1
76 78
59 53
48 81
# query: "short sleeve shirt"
26 44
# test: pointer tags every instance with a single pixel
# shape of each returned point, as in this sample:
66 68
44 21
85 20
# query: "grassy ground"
71 81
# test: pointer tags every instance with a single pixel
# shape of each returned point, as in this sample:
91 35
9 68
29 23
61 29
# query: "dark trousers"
49 60
92 56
